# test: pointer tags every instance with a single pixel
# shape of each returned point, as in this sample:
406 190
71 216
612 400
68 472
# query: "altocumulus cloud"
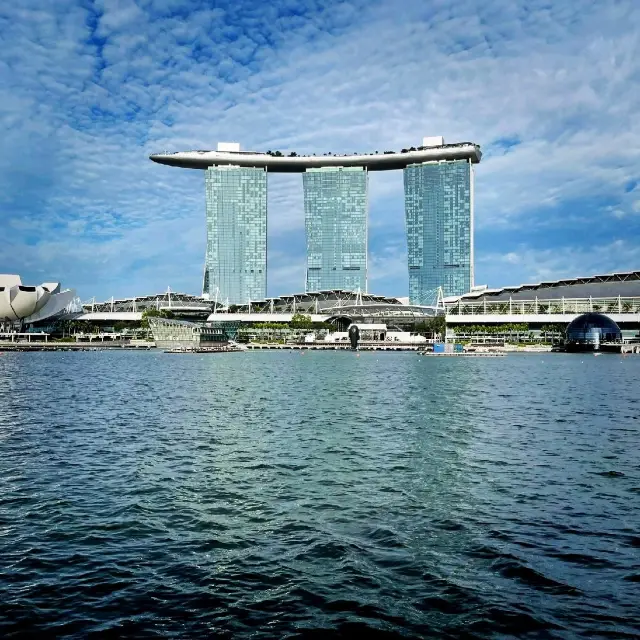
89 89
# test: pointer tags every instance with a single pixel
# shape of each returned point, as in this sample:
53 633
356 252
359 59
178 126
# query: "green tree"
301 321
154 313
437 324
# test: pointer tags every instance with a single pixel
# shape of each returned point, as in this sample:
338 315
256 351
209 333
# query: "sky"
550 90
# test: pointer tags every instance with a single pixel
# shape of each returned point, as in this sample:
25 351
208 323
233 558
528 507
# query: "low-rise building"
542 311
183 335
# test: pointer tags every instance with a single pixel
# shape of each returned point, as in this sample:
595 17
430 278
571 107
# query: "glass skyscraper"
335 208
439 216
236 259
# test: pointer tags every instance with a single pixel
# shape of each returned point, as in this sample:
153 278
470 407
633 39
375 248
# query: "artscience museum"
21 304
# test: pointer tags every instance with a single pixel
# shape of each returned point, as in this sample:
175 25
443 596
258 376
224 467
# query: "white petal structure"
25 301
57 304
20 302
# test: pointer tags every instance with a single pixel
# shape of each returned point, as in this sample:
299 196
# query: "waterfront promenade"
322 346
74 346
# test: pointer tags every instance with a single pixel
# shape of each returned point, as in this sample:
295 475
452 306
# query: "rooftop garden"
294 154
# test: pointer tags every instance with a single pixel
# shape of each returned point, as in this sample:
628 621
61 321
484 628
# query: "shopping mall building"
546 304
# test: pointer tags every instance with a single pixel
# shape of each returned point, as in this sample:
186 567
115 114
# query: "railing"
556 306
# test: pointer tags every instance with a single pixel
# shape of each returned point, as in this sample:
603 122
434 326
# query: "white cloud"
531 265
87 92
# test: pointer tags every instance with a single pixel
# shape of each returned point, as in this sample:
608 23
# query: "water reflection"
284 491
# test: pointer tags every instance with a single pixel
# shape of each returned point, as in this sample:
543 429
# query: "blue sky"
88 89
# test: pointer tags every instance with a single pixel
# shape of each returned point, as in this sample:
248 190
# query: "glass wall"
335 208
236 259
588 331
439 218
173 334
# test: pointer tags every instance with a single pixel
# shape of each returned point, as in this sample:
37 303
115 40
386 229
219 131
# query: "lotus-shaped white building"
20 303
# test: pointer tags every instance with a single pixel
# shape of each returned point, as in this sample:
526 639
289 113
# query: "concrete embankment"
73 346
313 346
619 348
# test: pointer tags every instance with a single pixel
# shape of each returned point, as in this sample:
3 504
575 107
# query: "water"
319 495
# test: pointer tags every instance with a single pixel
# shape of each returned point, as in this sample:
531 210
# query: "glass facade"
172 334
439 216
236 259
335 209
588 331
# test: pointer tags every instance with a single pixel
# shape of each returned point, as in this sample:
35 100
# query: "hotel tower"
439 209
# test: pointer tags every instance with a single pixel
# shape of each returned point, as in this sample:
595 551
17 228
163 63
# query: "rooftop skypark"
432 149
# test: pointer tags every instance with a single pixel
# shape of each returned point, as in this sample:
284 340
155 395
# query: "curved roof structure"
277 163
326 305
593 321
313 302
626 284
167 301
585 332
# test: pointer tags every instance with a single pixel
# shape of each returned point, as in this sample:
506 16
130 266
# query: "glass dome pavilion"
588 331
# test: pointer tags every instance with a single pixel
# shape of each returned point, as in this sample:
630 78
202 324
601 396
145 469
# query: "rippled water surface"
323 495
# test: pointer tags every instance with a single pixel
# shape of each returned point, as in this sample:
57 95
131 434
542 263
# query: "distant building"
236 257
589 331
335 207
21 304
536 306
439 218
339 308
178 334
438 198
